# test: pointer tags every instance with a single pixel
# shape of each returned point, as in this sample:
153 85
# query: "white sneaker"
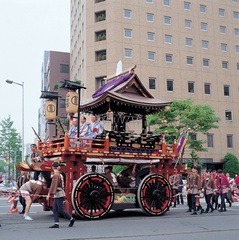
28 218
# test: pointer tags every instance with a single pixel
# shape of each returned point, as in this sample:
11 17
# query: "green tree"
231 165
10 144
183 117
2 167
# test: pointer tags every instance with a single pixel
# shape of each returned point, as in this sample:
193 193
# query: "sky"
27 29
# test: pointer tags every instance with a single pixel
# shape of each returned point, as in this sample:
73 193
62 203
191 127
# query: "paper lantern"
50 110
72 102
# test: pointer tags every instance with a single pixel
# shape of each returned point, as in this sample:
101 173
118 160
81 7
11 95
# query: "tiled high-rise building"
182 49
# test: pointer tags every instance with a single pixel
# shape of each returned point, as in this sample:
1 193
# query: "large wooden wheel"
92 196
154 194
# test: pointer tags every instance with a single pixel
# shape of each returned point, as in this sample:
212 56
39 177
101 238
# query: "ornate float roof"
123 93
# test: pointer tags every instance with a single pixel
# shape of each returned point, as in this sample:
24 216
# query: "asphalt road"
131 225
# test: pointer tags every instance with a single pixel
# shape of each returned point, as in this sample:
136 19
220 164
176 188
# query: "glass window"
62 103
203 26
235 1
223 29
236 15
223 47
229 140
237 66
97 1
169 58
221 12
100 16
210 143
193 136
100 81
207 88
189 60
187 5
189 42
236 31
150 17
226 90
191 87
224 64
127 13
203 8
188 23
100 36
128 33
168 39
204 44
100 55
151 56
167 20
206 62
149 1
128 53
64 68
152 83
166 2
150 36
228 115
237 48
169 85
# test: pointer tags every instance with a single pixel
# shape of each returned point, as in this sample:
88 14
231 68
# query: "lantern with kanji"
72 102
50 110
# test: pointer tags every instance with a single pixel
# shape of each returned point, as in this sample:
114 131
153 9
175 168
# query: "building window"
189 42
128 33
210 141
207 88
100 36
100 16
226 90
100 55
128 53
191 87
224 64
205 62
235 15
235 1
150 36
168 39
228 115
169 85
229 141
237 48
221 12
100 81
223 29
169 58
193 136
166 2
149 1
188 23
236 31
167 20
203 26
237 66
64 68
150 17
223 47
62 103
97 1
203 8
204 44
151 56
189 60
127 13
152 83
187 5
64 121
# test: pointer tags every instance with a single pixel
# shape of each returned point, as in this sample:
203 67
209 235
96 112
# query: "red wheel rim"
154 194
93 196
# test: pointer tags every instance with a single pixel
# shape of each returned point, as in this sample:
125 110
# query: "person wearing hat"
57 192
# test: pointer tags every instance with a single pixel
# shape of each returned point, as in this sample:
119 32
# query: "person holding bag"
57 192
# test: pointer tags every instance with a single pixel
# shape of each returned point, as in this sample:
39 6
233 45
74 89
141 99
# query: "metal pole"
23 159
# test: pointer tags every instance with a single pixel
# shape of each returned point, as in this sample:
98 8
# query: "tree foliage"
182 117
231 165
10 143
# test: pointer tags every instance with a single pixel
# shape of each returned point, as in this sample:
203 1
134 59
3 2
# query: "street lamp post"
22 85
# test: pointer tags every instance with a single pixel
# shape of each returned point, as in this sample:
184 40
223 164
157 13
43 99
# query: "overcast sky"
27 29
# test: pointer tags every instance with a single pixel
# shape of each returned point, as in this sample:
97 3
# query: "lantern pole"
22 85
